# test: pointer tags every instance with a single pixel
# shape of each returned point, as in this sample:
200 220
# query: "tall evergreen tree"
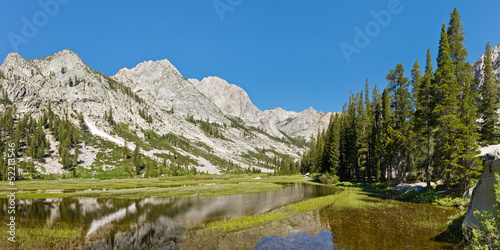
375 144
137 158
362 121
402 106
367 133
416 153
446 110
387 156
489 103
469 164
424 113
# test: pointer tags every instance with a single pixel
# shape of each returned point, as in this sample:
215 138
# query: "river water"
151 222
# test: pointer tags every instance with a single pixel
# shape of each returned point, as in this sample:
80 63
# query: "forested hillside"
426 125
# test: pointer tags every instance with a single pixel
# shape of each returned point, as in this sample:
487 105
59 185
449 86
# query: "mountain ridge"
154 97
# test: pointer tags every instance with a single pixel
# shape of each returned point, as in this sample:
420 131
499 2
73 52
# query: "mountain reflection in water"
154 222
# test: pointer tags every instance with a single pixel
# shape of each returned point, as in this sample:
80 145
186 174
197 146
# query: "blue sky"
283 53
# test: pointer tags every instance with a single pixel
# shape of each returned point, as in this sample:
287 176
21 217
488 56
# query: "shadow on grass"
453 233
375 190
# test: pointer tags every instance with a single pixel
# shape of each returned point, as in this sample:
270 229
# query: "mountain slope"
234 102
182 123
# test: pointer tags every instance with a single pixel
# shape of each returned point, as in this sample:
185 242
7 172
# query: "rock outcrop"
405 187
483 196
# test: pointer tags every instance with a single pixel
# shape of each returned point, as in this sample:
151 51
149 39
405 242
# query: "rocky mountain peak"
478 66
229 98
152 70
13 58
309 110
123 70
162 84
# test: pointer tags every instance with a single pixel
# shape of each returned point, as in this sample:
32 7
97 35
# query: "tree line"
428 126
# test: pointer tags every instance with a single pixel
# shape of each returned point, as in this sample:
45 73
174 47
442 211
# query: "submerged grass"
345 199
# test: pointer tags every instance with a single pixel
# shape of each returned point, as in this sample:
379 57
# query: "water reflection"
134 222
302 240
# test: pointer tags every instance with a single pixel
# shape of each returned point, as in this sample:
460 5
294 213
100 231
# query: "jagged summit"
229 98
478 66
160 68
13 57
121 71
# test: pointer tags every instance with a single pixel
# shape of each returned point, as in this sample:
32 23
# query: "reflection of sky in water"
323 240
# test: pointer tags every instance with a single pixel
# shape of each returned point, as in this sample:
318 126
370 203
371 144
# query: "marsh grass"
85 184
43 237
139 193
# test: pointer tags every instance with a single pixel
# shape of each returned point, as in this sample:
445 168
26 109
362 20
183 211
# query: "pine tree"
424 113
110 116
469 165
137 158
375 144
350 166
331 152
77 152
81 121
415 152
489 103
402 106
450 127
362 139
368 130
387 149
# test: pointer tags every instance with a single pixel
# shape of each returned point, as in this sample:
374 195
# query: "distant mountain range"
154 96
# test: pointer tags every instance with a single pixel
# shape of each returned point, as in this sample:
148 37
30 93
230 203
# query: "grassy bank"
144 187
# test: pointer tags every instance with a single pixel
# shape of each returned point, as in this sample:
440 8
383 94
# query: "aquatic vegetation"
351 214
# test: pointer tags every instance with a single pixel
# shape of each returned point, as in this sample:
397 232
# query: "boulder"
405 187
483 196
468 193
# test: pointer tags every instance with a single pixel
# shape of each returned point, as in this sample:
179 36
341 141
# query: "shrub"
326 178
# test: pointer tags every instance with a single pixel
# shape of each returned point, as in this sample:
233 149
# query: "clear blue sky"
283 53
